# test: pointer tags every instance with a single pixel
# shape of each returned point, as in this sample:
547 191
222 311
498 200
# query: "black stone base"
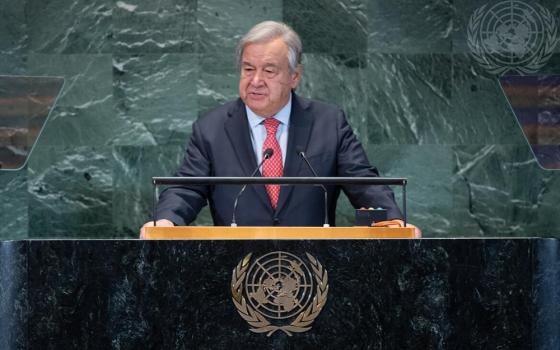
383 294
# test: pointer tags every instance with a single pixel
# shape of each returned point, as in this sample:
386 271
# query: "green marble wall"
139 72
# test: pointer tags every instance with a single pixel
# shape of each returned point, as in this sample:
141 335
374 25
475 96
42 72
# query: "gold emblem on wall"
279 292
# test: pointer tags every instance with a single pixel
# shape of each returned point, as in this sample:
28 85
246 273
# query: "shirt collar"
283 116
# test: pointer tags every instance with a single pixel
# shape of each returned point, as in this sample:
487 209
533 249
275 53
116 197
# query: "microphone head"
268 153
300 153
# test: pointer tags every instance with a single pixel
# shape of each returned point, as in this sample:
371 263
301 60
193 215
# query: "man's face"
266 82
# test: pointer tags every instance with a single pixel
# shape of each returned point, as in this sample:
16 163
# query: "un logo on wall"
279 292
512 36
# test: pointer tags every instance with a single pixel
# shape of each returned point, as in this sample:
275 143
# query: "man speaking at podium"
271 131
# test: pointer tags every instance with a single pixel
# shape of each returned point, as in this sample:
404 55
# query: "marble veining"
138 73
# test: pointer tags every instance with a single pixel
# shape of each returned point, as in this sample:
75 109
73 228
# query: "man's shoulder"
221 112
316 104
318 107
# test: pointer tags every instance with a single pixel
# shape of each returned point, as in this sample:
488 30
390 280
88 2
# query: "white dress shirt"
258 131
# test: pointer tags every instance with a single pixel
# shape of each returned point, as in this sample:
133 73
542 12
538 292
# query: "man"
231 141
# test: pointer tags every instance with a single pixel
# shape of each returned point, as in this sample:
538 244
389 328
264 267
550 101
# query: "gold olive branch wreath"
260 324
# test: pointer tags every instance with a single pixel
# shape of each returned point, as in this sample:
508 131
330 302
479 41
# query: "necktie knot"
271 125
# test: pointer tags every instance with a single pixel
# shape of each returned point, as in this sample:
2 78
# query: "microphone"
302 155
266 155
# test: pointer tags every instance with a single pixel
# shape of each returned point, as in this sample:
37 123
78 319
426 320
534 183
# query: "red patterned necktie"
273 165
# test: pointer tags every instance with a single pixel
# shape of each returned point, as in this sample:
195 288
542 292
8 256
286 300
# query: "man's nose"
257 78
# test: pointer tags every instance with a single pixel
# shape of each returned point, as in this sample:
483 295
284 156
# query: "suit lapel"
301 122
238 132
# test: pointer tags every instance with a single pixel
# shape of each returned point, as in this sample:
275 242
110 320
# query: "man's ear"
296 77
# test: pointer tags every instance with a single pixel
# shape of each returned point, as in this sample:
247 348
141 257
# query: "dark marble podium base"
383 294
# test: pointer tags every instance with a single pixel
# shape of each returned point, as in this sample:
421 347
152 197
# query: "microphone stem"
267 154
326 222
233 223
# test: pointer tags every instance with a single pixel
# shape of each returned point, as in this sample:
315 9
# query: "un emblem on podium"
279 292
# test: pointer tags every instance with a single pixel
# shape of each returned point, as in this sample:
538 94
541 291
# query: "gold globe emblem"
279 285
279 291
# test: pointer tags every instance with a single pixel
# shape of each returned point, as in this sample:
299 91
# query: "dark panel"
546 327
390 294
13 295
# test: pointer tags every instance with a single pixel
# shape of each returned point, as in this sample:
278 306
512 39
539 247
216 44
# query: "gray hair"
269 30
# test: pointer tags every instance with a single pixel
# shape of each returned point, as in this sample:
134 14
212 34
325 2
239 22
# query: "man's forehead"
266 50
265 63
264 60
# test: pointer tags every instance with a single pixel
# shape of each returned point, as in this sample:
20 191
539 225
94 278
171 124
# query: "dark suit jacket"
220 145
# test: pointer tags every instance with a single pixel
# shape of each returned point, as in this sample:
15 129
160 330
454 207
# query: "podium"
276 232
373 294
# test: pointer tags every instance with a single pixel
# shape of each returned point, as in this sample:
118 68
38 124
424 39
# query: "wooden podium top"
275 232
